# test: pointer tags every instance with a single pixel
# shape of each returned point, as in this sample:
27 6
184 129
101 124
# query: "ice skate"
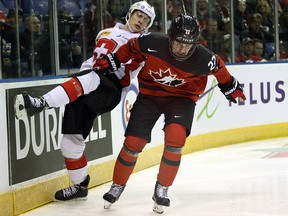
112 195
77 191
25 105
160 198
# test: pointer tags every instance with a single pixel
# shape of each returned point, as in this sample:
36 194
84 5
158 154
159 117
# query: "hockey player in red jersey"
174 75
92 94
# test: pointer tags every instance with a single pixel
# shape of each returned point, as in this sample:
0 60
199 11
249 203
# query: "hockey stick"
183 8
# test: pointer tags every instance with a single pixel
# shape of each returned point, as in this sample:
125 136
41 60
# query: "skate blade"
19 107
158 208
71 200
107 205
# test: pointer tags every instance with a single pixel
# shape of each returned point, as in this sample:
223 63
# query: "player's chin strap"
129 27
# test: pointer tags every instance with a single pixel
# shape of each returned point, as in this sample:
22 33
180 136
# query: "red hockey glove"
233 90
107 64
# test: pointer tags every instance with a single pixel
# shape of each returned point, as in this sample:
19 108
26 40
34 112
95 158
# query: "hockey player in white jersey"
87 95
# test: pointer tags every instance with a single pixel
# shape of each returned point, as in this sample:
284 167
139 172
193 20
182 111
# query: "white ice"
248 179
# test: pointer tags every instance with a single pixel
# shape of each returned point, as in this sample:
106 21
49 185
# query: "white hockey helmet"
144 7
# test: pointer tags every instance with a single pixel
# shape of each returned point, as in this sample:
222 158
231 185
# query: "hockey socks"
73 88
127 158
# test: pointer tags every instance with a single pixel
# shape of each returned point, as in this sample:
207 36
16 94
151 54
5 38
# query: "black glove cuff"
113 61
230 87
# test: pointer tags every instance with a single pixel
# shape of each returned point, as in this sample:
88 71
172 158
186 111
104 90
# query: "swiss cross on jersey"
104 46
166 78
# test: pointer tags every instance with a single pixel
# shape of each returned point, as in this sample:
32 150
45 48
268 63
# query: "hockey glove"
232 90
107 64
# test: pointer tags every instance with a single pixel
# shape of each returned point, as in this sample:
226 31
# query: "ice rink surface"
248 179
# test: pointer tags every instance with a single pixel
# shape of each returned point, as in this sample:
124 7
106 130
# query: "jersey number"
212 63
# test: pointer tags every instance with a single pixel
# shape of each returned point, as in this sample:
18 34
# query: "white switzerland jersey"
107 41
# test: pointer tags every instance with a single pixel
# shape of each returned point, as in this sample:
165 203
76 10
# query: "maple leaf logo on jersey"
166 78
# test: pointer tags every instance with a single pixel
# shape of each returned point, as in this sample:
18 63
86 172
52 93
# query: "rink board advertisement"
266 90
34 142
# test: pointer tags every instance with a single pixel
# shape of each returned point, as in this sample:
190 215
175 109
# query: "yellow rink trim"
19 201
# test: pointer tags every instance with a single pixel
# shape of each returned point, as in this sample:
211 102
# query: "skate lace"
37 102
162 191
70 191
116 190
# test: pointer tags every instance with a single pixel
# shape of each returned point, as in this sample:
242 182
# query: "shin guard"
127 158
175 136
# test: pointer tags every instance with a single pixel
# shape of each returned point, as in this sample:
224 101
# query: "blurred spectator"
272 6
69 40
223 14
258 49
240 17
117 9
265 10
202 12
10 53
70 53
65 15
283 52
43 50
247 52
88 27
4 9
11 17
157 24
35 7
283 48
91 6
2 16
28 39
210 36
251 5
283 24
72 7
189 6
107 18
172 11
225 52
284 4
256 30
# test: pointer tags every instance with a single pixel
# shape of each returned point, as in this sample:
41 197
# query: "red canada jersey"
162 75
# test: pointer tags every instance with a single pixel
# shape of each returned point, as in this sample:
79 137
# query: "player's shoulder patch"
104 33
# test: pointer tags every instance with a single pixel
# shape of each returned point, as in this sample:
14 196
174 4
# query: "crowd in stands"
27 44
253 20
253 28
26 40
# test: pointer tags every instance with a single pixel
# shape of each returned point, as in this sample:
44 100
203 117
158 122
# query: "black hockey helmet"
184 29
